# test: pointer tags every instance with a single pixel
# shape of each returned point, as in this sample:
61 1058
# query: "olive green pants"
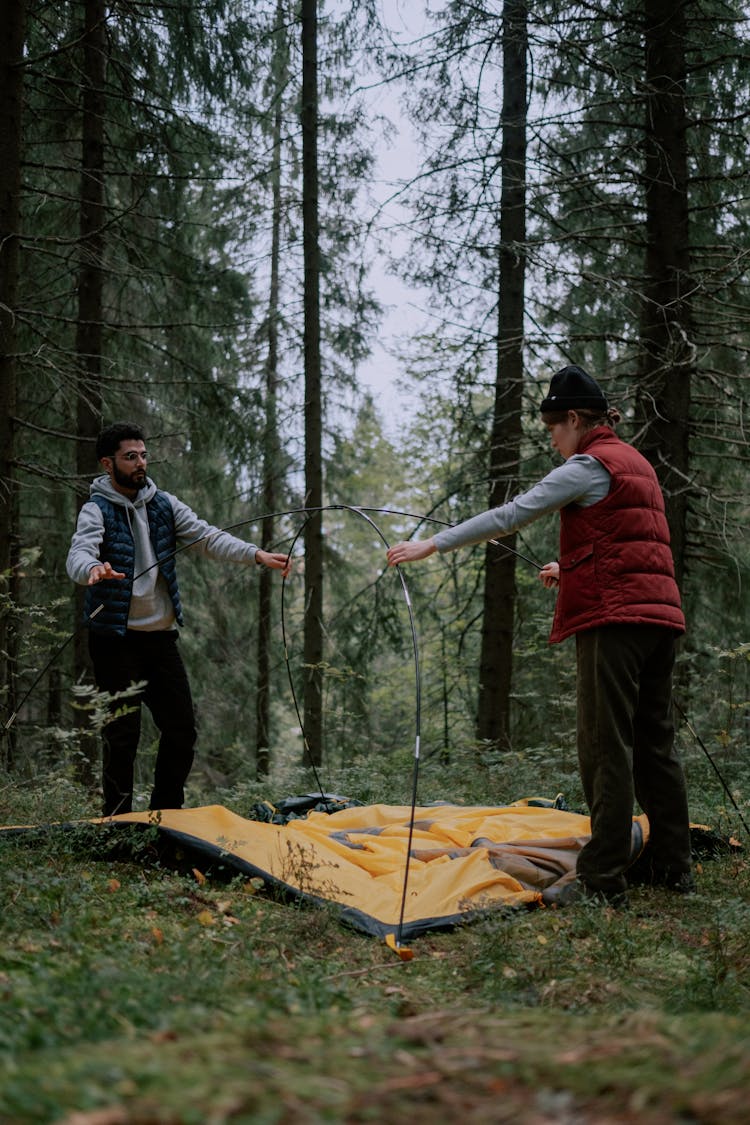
626 751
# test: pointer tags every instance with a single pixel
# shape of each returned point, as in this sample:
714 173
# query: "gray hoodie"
151 606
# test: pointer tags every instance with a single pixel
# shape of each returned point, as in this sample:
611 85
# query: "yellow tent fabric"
463 859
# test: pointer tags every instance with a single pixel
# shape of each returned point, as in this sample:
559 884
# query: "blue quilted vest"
118 549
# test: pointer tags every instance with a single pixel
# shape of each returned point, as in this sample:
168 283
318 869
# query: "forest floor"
131 994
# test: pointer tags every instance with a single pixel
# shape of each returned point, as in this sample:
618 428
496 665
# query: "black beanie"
573 389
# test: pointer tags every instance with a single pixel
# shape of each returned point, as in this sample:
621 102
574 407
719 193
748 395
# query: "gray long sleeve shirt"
151 606
580 480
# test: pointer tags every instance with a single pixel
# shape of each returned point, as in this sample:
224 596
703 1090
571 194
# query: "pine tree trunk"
667 355
89 326
271 445
496 661
13 23
313 643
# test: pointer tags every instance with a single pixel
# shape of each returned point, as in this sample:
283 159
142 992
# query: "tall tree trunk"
666 353
313 643
13 22
271 444
90 293
496 661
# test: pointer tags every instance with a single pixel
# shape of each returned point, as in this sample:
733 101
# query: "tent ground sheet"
389 874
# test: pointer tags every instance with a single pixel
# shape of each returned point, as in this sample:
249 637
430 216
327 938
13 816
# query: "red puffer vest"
616 564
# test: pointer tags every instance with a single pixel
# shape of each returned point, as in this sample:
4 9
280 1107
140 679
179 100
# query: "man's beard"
126 481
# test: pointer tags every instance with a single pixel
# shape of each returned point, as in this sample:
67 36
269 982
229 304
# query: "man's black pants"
152 658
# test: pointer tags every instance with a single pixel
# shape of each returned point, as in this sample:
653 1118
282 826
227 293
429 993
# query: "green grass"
132 993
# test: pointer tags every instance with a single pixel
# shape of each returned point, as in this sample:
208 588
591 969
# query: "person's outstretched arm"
410 551
274 561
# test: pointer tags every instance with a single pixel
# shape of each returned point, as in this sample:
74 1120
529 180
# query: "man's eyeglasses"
131 458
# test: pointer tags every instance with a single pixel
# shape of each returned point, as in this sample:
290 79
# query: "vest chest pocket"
580 595
575 558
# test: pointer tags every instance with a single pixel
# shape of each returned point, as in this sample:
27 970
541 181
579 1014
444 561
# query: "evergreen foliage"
597 199
178 339
198 254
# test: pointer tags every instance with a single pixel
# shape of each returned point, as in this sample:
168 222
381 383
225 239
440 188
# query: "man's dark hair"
109 439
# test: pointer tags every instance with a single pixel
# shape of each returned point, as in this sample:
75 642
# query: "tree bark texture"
13 23
667 354
271 445
313 536
89 325
90 317
496 660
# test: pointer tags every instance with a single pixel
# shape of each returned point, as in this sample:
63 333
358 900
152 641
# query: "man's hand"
101 571
549 575
412 551
274 561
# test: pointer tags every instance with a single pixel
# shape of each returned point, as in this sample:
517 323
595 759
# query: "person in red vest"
618 596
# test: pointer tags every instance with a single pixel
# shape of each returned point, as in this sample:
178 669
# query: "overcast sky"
396 163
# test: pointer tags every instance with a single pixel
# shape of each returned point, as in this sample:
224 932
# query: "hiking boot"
679 882
579 893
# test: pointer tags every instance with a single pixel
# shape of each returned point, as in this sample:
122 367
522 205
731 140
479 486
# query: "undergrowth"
135 992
